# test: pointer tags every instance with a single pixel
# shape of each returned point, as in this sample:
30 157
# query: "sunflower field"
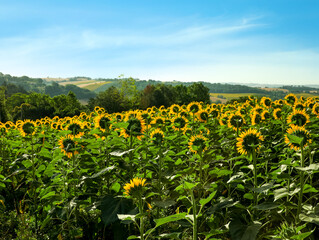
201 171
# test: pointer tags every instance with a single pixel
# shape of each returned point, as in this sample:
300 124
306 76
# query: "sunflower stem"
301 184
140 206
255 177
194 216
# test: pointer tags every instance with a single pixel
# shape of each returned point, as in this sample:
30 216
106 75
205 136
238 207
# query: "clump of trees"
128 97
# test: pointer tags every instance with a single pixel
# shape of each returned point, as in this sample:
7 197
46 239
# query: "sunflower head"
194 107
174 109
202 115
214 113
265 115
158 136
315 109
76 128
255 118
68 145
291 99
249 141
27 128
277 113
223 120
266 102
158 121
236 121
135 188
299 106
298 118
103 122
136 128
179 123
197 144
303 137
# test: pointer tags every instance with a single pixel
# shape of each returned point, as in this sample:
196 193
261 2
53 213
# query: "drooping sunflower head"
158 121
277 113
68 146
299 132
315 109
265 115
298 118
135 188
103 122
255 118
202 115
179 123
223 120
157 135
197 144
299 106
249 141
214 113
174 109
266 102
76 128
136 128
194 107
291 99
236 121
27 128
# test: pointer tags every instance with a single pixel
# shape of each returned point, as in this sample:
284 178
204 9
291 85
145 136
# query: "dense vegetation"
199 171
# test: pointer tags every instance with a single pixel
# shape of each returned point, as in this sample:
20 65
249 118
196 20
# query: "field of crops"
241 171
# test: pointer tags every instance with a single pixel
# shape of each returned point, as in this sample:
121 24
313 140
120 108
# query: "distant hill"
26 84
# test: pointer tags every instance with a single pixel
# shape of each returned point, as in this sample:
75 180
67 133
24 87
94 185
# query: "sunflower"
265 115
214 113
76 128
299 132
179 123
223 120
99 110
136 127
277 113
3 129
197 144
158 121
103 122
236 121
194 107
157 135
298 118
258 109
255 118
291 99
135 187
174 109
299 106
202 115
266 102
27 128
315 109
68 146
249 141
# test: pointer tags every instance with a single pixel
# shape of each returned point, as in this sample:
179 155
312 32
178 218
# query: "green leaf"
249 196
280 193
111 206
50 194
302 236
116 187
203 202
266 206
188 185
241 231
107 169
311 167
311 217
120 153
220 172
171 218
295 139
165 204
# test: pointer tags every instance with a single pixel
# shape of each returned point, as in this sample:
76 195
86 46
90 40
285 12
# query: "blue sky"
242 41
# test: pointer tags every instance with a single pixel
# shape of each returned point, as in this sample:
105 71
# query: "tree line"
15 104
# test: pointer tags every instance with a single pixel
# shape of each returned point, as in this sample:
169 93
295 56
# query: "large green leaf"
111 206
241 231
